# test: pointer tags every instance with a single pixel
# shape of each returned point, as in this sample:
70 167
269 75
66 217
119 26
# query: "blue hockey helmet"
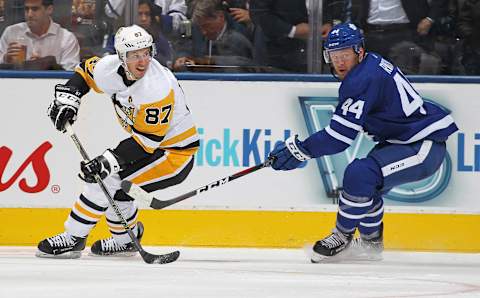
343 36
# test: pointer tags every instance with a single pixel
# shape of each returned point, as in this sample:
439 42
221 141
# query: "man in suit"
394 28
285 27
216 39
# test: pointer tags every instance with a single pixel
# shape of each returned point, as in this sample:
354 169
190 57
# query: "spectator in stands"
216 38
173 13
147 20
286 29
469 29
83 11
44 45
394 28
239 10
447 43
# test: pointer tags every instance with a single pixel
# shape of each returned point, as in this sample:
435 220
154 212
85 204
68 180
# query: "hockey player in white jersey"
375 98
150 105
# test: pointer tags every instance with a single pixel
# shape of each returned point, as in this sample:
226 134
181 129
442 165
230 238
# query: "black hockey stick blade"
159 259
138 193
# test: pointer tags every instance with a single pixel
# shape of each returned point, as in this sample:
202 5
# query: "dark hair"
45 2
155 10
155 13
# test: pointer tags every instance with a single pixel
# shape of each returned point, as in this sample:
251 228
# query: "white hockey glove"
104 165
65 106
289 155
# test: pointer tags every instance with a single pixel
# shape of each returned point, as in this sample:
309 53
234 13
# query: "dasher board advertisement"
239 123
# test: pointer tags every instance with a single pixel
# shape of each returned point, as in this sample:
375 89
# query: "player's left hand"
104 165
289 155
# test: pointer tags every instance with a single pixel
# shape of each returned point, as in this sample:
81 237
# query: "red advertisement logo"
40 168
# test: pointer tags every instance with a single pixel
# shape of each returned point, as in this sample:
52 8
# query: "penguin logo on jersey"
318 111
124 113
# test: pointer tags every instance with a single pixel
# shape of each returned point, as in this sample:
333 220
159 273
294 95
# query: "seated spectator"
216 39
446 42
88 27
147 20
399 31
239 11
39 43
83 12
285 27
469 29
171 16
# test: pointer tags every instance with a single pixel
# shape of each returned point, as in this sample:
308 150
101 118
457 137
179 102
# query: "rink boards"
279 229
239 122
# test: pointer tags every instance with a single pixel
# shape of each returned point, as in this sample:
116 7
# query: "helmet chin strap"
128 73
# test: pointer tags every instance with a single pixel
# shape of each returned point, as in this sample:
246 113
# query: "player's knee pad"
362 178
94 192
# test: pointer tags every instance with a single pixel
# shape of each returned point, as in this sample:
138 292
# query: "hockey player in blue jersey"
374 98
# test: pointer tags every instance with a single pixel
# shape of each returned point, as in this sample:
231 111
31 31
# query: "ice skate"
61 246
367 248
362 248
110 247
331 248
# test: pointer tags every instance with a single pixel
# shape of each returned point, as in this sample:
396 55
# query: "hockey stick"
146 256
137 192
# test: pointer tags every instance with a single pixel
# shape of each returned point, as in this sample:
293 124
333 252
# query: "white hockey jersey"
152 109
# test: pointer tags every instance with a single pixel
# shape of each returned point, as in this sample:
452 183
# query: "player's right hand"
104 165
64 107
13 51
289 155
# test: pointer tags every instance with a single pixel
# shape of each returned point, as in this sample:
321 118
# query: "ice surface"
214 272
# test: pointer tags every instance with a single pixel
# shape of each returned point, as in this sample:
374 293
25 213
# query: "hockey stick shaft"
137 192
146 256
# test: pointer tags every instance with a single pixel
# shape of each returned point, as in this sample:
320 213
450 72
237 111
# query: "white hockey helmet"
132 38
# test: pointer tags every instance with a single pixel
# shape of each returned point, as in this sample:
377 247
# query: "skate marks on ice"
213 272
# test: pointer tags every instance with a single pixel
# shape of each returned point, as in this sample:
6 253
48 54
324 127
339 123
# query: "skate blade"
348 255
310 254
366 257
321 259
315 257
115 255
345 256
66 255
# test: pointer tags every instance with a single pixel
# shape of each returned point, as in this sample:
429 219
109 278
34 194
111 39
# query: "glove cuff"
112 161
67 95
291 144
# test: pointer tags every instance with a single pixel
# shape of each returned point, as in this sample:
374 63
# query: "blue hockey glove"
104 165
289 155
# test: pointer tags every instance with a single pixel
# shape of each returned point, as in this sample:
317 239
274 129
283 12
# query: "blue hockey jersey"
376 98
